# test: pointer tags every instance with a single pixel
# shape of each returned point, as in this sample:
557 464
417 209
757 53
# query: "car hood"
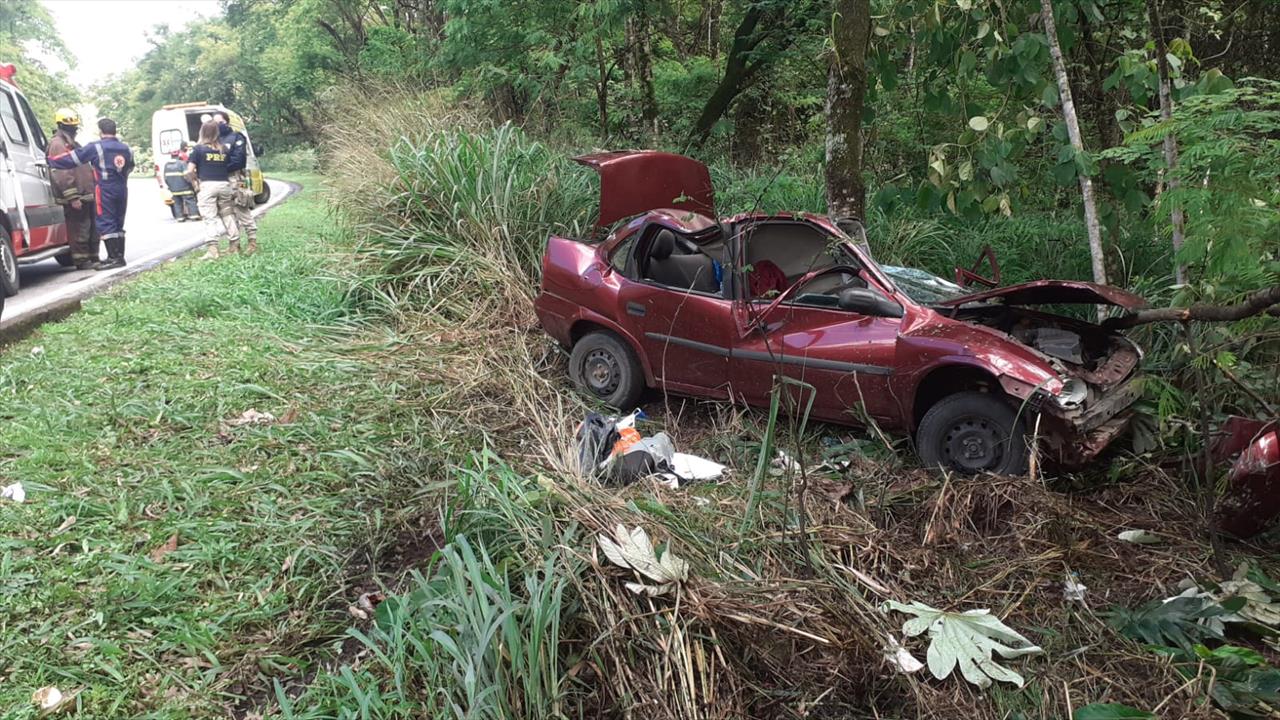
637 181
1054 292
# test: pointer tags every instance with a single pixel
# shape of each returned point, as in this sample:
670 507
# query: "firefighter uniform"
112 161
237 146
71 186
184 195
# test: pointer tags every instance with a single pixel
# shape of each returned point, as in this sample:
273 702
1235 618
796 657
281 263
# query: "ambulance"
34 226
173 125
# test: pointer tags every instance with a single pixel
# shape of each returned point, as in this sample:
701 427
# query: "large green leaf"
966 640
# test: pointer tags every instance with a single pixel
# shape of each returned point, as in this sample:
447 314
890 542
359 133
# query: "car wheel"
973 432
65 259
262 197
602 365
9 269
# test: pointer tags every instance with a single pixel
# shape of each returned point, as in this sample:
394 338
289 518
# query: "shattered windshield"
921 286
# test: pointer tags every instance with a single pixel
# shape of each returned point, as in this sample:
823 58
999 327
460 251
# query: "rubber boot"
115 254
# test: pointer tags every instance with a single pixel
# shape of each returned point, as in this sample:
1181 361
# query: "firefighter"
184 195
237 146
73 190
112 161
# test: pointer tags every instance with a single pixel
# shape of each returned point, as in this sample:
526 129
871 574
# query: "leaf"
158 554
632 549
979 123
965 640
1110 711
1139 537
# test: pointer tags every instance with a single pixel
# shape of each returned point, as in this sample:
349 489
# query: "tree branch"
1257 302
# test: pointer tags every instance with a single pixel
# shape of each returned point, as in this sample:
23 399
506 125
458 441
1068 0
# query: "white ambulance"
173 125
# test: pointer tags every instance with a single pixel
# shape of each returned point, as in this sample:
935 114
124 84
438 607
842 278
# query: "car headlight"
1073 393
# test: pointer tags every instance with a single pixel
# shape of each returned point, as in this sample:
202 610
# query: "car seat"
676 267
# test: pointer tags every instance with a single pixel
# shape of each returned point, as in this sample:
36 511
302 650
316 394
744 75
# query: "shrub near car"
674 299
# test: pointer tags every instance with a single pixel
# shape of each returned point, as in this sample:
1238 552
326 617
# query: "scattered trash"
37 351
49 699
633 549
614 449
1072 589
967 640
1139 537
901 658
158 554
251 417
14 492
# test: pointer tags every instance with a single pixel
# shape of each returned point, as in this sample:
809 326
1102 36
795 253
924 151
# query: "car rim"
973 444
600 371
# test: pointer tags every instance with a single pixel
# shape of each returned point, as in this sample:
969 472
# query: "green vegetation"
171 548
25 26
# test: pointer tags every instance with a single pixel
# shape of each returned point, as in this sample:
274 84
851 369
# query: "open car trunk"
637 181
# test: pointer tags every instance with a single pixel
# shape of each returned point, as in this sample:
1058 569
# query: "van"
173 125
33 225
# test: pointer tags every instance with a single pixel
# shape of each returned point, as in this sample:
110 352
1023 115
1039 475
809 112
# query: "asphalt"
50 291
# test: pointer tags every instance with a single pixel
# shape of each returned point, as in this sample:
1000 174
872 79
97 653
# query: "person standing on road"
73 190
184 195
112 161
237 146
207 170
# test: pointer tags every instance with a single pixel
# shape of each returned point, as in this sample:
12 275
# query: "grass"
121 424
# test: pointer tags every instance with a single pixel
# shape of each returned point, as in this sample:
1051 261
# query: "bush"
300 159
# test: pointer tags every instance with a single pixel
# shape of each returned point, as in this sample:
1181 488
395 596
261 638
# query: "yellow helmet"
66 116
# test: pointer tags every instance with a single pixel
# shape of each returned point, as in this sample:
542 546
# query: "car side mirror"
868 302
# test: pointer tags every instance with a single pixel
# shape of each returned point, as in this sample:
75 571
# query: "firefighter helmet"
66 116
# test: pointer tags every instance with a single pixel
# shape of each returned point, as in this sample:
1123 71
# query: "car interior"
779 254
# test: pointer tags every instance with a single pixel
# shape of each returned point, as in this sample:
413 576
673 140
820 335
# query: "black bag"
596 437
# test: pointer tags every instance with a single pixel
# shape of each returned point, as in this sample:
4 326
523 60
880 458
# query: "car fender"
590 317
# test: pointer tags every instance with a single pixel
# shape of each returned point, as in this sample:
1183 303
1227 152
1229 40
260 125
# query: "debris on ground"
633 550
14 492
50 699
612 448
1139 537
251 417
1251 502
158 554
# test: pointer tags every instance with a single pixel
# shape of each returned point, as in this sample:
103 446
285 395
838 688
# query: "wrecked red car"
675 299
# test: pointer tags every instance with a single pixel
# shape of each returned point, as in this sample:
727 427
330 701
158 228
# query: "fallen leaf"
357 613
289 416
66 525
251 417
965 640
48 698
1139 537
368 601
158 554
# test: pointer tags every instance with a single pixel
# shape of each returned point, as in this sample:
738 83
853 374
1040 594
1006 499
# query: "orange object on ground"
627 437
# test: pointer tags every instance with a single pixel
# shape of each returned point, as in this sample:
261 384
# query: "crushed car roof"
1055 292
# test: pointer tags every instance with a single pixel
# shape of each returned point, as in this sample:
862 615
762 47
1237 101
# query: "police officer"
237 147
112 161
73 190
184 195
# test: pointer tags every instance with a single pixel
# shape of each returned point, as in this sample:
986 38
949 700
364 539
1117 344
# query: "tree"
1170 143
846 95
1092 226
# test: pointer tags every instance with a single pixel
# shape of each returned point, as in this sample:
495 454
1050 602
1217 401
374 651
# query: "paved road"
153 236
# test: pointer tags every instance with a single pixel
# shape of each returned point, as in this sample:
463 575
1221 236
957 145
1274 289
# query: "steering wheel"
805 280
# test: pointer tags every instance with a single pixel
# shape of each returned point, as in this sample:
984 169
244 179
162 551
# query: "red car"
674 299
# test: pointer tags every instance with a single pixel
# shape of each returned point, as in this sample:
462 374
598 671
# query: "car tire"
9 277
973 432
65 259
263 197
604 366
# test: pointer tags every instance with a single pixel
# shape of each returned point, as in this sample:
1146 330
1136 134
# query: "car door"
27 144
685 335
849 358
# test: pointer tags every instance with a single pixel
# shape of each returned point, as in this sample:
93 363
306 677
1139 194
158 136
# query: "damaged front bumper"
1076 435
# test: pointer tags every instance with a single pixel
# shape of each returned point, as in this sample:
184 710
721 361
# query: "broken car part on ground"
675 299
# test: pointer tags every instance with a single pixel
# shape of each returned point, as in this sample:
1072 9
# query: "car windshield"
923 287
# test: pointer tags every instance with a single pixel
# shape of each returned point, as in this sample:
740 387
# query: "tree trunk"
1170 142
602 88
735 76
1073 130
846 94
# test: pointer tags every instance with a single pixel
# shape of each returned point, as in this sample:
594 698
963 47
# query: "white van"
33 226
173 125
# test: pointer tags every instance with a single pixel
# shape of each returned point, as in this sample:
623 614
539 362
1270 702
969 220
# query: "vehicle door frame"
40 217
833 377
643 307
